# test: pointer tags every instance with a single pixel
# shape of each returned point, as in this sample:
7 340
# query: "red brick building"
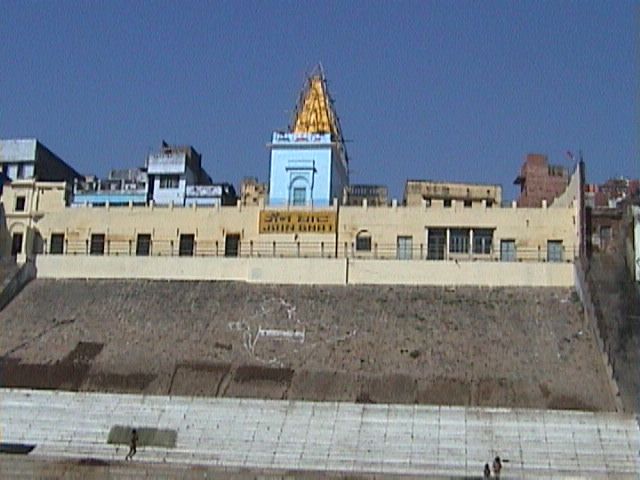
540 181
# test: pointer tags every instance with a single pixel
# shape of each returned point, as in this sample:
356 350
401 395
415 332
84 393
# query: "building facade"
418 192
22 159
392 232
539 181
373 195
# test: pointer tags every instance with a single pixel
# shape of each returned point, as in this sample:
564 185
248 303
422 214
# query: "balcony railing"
300 249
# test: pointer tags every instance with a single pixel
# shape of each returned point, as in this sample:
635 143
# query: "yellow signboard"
297 222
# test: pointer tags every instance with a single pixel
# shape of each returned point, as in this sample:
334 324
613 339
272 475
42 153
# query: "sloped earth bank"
512 347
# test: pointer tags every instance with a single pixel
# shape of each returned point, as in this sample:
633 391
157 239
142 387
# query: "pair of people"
497 467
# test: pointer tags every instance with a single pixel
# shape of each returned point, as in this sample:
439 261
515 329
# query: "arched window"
298 191
363 241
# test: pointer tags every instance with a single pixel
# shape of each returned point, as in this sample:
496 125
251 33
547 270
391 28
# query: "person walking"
133 444
497 466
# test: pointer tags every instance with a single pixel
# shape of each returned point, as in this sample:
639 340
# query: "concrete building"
540 181
121 188
427 192
174 172
309 163
374 195
29 159
612 192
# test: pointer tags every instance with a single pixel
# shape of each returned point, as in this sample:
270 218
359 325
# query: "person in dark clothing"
497 466
487 471
133 444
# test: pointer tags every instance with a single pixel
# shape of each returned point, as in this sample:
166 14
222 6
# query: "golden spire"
314 111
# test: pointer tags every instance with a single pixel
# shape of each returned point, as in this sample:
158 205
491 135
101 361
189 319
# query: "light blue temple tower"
309 163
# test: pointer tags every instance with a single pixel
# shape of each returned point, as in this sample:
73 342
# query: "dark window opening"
459 240
555 251
507 250
20 204
232 245
482 241
363 242
436 243
143 244
56 244
186 245
97 244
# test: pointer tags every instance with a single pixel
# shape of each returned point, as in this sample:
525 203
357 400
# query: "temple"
309 163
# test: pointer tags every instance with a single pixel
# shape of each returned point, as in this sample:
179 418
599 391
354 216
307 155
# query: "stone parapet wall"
304 271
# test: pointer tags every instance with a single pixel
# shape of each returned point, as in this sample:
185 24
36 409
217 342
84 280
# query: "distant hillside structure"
309 163
540 181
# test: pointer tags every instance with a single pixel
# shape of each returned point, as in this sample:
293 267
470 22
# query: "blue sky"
457 91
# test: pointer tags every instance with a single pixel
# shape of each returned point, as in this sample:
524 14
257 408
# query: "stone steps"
268 435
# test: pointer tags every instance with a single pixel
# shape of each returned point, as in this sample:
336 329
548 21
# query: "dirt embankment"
464 346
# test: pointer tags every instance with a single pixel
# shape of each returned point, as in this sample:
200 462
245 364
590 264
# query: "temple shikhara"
309 163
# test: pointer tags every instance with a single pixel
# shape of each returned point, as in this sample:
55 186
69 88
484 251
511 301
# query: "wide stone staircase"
71 430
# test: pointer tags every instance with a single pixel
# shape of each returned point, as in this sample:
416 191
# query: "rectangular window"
363 243
169 181
143 244
405 248
459 240
21 172
232 245
489 203
436 243
447 203
508 251
299 196
97 244
554 251
482 241
186 245
56 244
20 203
468 203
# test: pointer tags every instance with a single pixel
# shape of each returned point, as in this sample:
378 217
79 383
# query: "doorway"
16 244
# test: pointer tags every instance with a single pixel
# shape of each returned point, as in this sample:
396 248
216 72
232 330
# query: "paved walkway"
326 437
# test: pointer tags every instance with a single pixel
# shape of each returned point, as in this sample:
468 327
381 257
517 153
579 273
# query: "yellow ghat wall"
530 228
291 257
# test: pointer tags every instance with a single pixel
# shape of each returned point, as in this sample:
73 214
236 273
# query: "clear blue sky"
456 90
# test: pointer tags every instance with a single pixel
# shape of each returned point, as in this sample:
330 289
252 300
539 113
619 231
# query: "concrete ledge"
489 274
255 270
308 271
